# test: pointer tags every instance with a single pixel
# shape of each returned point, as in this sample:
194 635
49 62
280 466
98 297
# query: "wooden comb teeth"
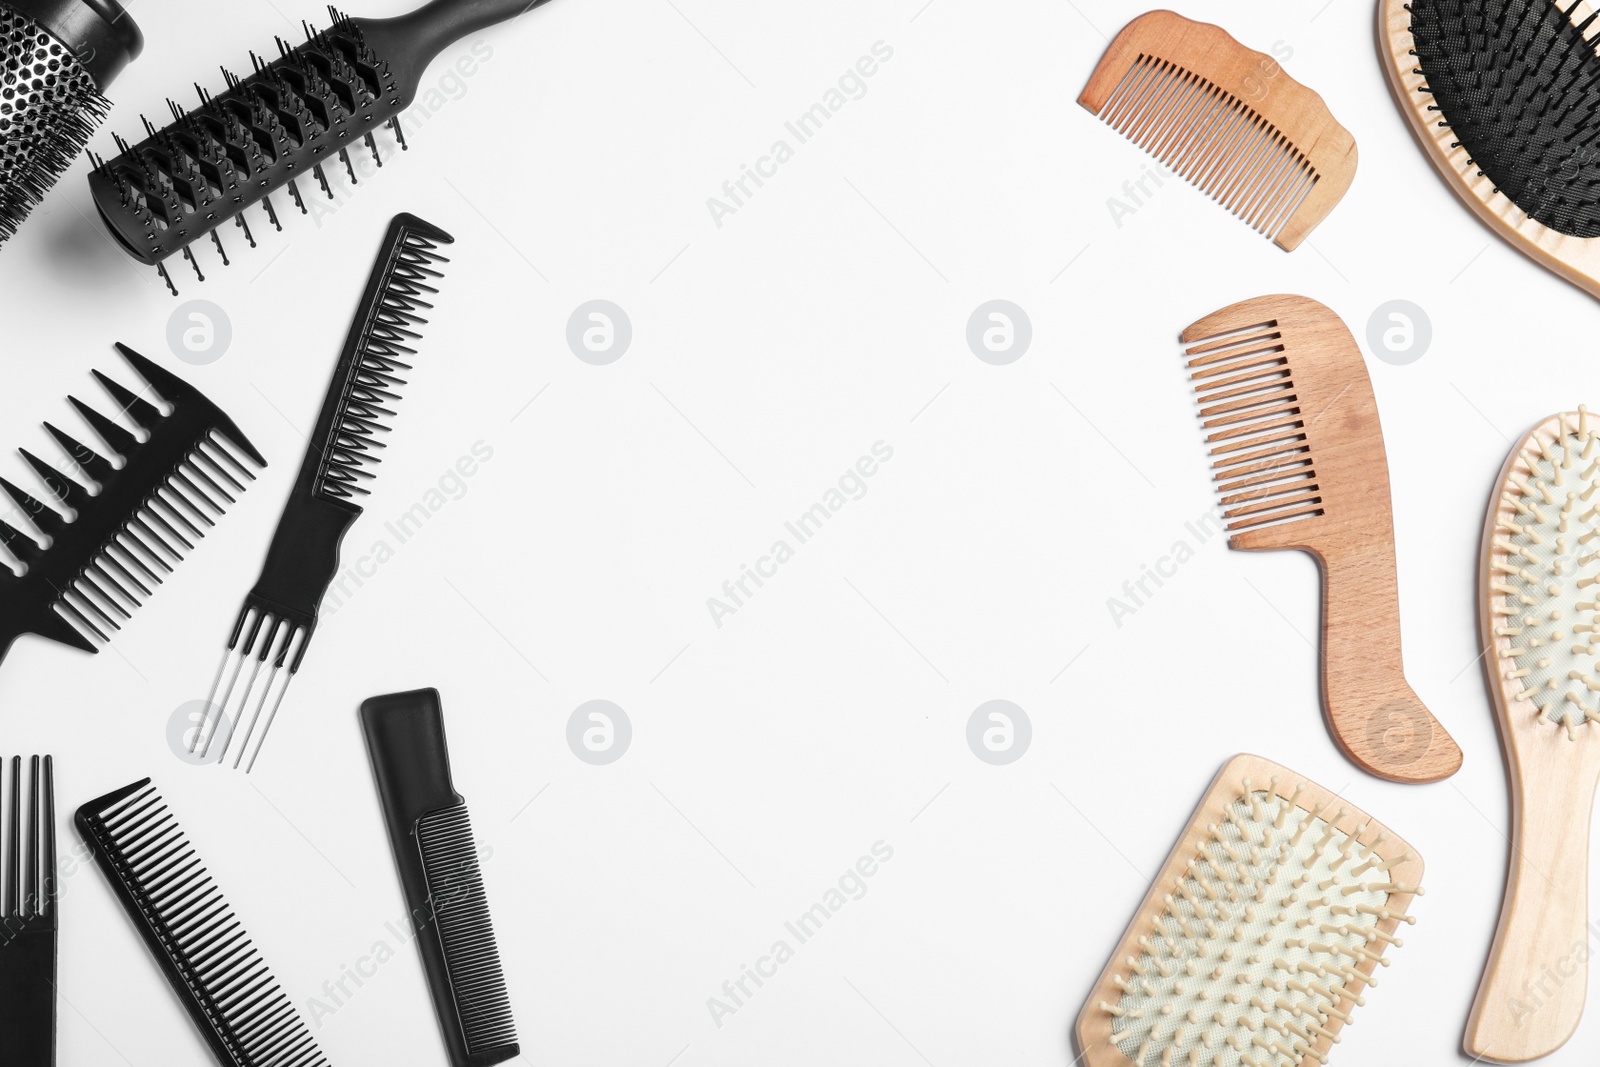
1288 414
1226 119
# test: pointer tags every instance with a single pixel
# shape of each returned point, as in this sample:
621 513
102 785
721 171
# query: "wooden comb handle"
1373 713
1533 989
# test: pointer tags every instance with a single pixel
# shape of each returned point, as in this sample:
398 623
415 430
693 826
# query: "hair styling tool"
144 514
1258 937
28 919
57 58
214 968
282 122
1539 622
438 861
1298 458
1504 96
1227 119
280 614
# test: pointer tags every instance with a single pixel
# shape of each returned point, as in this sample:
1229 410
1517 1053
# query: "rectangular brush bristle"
1255 428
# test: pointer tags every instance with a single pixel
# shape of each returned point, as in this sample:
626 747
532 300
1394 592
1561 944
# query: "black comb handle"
28 919
405 738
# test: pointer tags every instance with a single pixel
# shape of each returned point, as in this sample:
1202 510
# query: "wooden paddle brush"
1299 462
1538 586
1504 96
1228 120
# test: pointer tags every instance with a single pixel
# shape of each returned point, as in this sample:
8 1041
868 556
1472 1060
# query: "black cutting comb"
283 122
280 613
140 522
201 946
438 861
28 919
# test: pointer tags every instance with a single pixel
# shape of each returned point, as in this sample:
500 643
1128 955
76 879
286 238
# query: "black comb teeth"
1518 85
215 970
28 915
107 558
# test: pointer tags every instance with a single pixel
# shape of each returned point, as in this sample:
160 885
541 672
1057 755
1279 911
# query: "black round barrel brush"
57 58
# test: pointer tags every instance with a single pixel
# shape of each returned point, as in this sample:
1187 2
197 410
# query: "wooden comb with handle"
1298 458
1226 119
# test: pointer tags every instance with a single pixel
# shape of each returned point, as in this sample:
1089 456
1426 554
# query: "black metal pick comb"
290 117
243 1014
280 614
28 918
439 872
139 523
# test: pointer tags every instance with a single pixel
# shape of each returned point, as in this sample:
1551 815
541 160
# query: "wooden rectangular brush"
1226 119
1259 936
1298 458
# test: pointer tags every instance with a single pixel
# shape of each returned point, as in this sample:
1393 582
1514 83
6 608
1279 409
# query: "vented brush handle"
1372 711
1533 990
411 41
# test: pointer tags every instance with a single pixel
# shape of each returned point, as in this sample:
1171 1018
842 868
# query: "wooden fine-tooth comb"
1259 936
1504 96
1538 587
244 1016
1228 120
137 526
1298 458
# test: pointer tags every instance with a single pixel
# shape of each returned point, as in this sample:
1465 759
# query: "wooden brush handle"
1533 989
1373 713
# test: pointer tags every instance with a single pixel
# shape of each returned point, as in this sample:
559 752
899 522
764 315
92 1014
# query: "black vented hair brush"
57 58
280 613
1505 97
167 490
282 123
243 1014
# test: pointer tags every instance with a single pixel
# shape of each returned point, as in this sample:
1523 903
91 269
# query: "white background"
768 355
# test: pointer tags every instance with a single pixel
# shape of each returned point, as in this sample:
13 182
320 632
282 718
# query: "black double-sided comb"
281 123
28 919
280 614
140 522
439 872
201 946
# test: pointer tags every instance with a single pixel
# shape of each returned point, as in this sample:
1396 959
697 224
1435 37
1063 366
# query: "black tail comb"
438 861
284 121
109 556
28 916
280 614
243 1014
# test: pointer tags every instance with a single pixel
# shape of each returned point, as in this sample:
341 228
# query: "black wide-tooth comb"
283 122
28 918
105 560
243 1014
438 861
280 614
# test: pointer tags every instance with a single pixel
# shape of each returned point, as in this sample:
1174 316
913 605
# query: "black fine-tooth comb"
283 122
242 1012
438 861
144 514
28 919
280 614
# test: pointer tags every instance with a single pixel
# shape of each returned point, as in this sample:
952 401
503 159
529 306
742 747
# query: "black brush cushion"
1519 87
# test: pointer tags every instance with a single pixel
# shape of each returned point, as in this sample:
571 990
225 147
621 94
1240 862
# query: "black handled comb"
282 122
438 861
243 1014
28 921
280 614
169 486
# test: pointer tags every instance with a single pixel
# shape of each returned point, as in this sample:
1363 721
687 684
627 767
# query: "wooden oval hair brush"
1227 119
1504 96
1298 458
1538 586
281 124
